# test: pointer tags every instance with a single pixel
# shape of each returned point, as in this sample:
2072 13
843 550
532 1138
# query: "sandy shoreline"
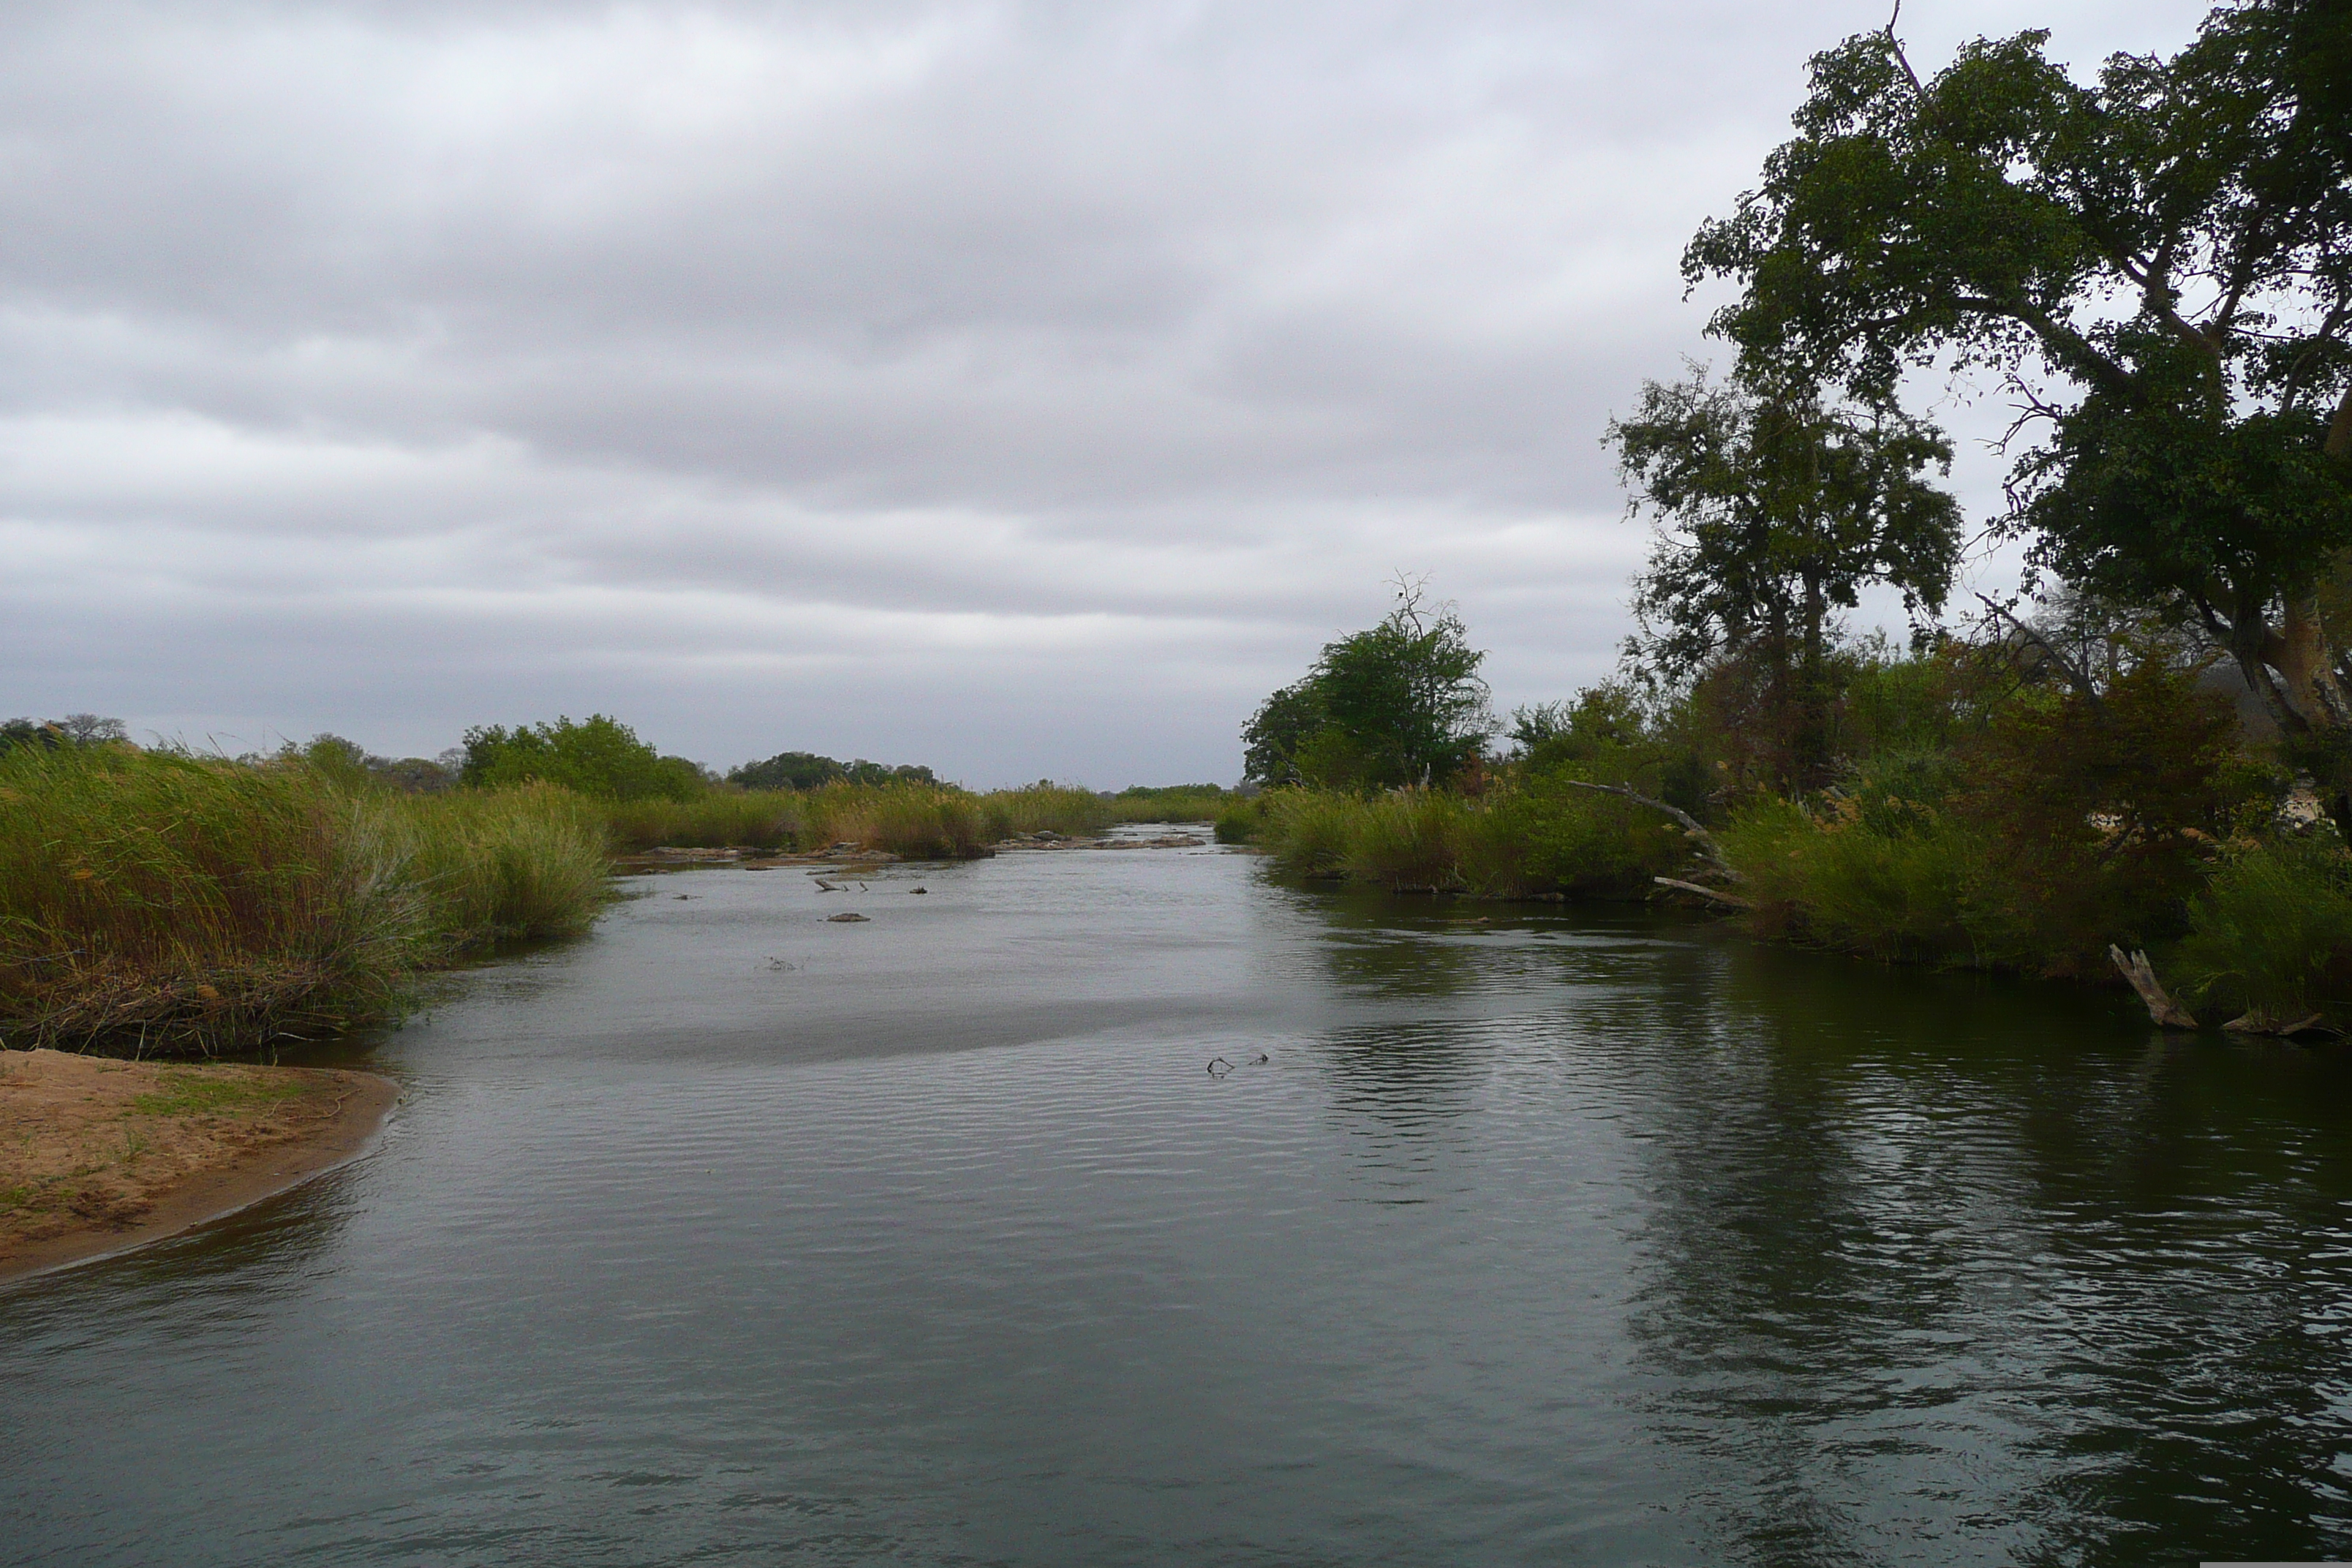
98 1155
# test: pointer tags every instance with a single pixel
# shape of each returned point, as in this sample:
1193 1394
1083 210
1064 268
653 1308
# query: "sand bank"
97 1154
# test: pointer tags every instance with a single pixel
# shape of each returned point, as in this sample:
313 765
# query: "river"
737 1234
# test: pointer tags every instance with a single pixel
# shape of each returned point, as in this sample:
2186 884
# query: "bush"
173 903
1171 803
599 756
1539 837
1409 839
506 865
1242 819
1312 832
2273 933
1547 837
1907 890
915 822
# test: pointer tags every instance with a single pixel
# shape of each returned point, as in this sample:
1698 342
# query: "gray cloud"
1021 388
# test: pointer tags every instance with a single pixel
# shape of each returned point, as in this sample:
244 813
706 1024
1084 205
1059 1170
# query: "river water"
734 1235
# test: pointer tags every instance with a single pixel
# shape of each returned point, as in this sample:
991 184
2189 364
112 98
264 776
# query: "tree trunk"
2307 697
1812 739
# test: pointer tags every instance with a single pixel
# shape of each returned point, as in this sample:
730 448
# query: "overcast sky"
1025 389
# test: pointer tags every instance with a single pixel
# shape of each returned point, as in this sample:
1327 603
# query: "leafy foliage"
597 756
2159 266
1774 510
1400 704
806 770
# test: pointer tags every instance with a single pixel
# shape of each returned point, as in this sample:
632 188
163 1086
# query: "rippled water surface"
732 1234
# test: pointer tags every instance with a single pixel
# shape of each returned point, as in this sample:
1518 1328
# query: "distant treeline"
806 770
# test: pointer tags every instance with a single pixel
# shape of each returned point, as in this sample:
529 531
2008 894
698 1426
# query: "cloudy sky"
1023 388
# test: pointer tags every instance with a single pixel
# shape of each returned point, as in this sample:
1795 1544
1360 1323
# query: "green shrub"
1171 803
2273 933
1242 819
1913 893
597 756
506 865
172 902
1544 837
1312 832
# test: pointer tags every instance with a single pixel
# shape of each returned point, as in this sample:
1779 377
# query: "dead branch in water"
1708 849
2162 1010
1733 899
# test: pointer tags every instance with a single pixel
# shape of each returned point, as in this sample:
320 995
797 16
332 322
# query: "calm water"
736 1236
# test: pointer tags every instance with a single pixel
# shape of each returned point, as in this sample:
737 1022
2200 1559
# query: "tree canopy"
1398 704
1774 507
807 770
2156 264
598 756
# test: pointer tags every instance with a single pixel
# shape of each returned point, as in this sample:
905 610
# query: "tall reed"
160 902
1041 807
720 819
505 864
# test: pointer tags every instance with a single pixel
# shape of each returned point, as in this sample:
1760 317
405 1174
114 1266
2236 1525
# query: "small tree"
1400 704
1773 509
598 756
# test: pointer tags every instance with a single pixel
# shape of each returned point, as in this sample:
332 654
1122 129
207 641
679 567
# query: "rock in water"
844 915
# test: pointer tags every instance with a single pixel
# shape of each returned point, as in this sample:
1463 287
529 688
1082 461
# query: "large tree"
1774 507
2158 266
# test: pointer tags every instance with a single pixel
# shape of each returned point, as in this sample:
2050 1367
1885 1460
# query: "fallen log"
2162 1010
1734 900
2257 1022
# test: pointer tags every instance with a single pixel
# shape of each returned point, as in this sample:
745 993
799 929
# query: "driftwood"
1734 900
1701 840
2257 1022
2162 1010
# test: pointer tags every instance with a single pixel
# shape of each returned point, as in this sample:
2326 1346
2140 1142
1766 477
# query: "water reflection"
1926 1237
1559 1237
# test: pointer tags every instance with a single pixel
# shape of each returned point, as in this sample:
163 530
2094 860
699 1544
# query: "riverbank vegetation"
160 903
2150 753
164 903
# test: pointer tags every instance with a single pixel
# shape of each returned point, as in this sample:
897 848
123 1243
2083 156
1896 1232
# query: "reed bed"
160 903
1537 840
1042 808
914 821
1173 803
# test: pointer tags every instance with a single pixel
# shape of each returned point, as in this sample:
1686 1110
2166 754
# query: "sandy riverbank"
97 1154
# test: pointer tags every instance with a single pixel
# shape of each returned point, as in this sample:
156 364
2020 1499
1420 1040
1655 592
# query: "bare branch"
2292 389
1703 841
1895 46
2162 1010
2076 676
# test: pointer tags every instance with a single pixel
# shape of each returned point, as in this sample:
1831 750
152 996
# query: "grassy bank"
1976 822
163 904
915 821
1172 803
1540 838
